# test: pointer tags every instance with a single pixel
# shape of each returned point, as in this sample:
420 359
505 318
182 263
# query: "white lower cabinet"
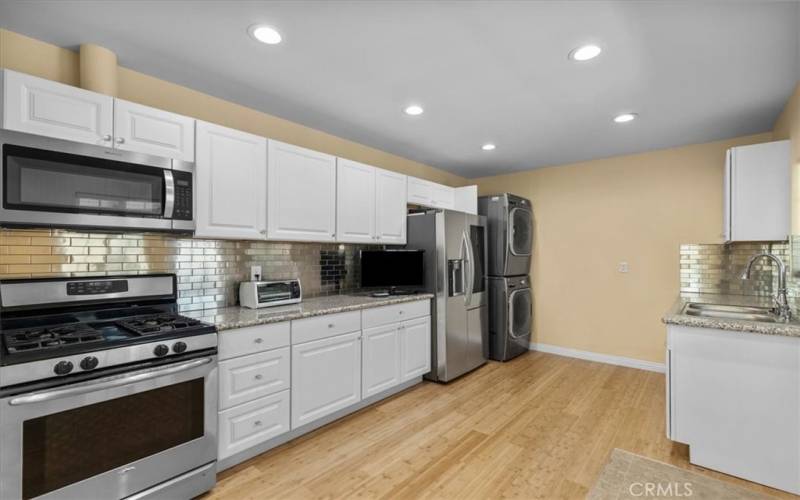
276 378
252 423
326 377
250 377
734 398
380 359
415 348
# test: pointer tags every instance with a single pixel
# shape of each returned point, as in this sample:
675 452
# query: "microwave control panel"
183 195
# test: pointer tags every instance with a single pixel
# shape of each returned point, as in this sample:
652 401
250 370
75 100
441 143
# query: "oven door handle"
107 383
169 194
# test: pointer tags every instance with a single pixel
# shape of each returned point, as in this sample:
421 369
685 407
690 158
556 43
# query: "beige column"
98 69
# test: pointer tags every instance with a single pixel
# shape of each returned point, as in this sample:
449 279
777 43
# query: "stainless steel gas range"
105 391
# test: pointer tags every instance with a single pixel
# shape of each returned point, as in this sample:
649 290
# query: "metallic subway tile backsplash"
209 271
707 268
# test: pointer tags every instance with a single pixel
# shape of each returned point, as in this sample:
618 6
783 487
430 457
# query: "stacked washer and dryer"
510 244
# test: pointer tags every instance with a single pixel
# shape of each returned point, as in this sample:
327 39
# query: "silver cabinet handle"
330 325
259 376
257 423
263 231
107 137
258 340
108 383
120 140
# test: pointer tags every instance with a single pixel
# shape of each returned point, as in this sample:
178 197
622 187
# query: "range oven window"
36 179
63 448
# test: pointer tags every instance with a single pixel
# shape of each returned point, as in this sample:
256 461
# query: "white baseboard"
598 357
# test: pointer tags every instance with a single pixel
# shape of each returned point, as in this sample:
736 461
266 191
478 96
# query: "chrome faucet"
782 308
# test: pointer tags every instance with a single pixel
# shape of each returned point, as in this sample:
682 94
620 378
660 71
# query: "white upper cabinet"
301 193
433 195
757 192
153 131
443 196
371 204
391 212
467 199
420 192
231 183
43 107
355 202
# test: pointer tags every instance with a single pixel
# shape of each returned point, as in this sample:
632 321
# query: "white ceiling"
484 71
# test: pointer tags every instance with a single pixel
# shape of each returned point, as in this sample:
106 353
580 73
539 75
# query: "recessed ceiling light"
414 110
585 53
265 34
488 147
625 117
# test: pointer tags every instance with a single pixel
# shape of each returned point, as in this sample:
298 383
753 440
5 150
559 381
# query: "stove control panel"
96 287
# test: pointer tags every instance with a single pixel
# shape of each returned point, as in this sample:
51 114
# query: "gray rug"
628 476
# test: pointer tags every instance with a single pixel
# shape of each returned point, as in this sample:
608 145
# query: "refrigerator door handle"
468 282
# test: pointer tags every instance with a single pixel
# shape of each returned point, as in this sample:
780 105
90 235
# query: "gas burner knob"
161 350
89 363
63 367
179 347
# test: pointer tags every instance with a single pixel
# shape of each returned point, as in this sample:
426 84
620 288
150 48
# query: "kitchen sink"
749 313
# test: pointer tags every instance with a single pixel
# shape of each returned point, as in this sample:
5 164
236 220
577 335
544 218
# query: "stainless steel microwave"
56 183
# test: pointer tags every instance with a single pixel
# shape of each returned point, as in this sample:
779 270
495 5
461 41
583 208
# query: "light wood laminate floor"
540 426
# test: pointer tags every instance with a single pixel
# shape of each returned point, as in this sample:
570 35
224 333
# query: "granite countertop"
227 318
675 315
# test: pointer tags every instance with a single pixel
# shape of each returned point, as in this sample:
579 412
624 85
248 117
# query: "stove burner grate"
158 324
46 338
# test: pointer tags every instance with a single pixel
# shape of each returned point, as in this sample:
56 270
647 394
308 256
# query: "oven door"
57 183
112 436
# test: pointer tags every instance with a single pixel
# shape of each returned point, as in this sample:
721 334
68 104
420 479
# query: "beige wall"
592 215
788 127
34 57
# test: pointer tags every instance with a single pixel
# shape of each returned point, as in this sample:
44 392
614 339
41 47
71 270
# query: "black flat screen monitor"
392 268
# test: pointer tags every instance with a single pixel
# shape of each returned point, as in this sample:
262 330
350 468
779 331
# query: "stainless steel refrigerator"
455 271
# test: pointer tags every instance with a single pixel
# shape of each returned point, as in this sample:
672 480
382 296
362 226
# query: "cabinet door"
380 359
760 187
390 207
43 107
420 192
355 202
326 377
443 196
302 194
231 183
250 424
153 131
415 348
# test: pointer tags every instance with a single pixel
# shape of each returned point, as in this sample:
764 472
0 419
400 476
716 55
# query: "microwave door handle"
108 383
169 194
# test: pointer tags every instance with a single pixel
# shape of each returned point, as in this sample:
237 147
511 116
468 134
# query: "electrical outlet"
255 273
623 267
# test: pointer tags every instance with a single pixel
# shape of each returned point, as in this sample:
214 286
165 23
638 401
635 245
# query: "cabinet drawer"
250 377
322 327
253 339
378 316
253 423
